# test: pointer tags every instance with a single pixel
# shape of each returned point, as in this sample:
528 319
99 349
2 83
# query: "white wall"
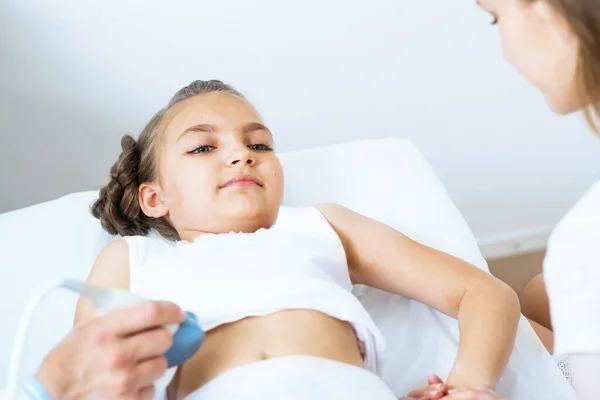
76 75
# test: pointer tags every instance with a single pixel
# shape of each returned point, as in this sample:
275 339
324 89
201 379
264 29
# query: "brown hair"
117 206
583 18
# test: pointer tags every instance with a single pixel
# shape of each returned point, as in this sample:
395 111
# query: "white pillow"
386 179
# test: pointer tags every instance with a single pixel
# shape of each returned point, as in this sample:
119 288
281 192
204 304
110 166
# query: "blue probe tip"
186 341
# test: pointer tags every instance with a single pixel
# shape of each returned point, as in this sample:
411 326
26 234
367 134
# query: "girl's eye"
260 147
495 21
201 150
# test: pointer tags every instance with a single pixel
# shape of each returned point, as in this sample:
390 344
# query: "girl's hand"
472 393
436 390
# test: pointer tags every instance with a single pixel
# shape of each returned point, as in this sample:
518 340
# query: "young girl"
271 285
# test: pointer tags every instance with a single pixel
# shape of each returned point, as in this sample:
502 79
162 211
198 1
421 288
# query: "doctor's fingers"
143 345
137 382
138 318
146 393
147 372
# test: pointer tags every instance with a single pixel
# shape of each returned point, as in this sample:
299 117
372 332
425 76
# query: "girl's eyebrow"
197 128
251 127
255 126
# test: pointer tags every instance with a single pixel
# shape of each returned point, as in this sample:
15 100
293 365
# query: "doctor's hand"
115 356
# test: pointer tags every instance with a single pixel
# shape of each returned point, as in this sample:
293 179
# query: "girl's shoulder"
111 267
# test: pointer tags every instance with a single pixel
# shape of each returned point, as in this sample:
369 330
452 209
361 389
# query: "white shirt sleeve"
572 277
584 369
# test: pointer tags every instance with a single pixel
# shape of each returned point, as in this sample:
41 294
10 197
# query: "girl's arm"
111 269
487 310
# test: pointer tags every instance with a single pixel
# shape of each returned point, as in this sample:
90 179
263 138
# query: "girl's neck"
240 227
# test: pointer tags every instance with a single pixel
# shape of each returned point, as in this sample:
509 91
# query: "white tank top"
298 263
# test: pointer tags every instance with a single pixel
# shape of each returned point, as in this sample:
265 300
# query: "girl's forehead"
217 109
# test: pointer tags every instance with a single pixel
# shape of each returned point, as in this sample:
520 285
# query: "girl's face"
538 43
218 171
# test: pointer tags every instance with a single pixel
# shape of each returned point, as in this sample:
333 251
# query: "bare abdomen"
291 332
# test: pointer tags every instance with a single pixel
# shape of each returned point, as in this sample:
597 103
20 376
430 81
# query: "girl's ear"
151 201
